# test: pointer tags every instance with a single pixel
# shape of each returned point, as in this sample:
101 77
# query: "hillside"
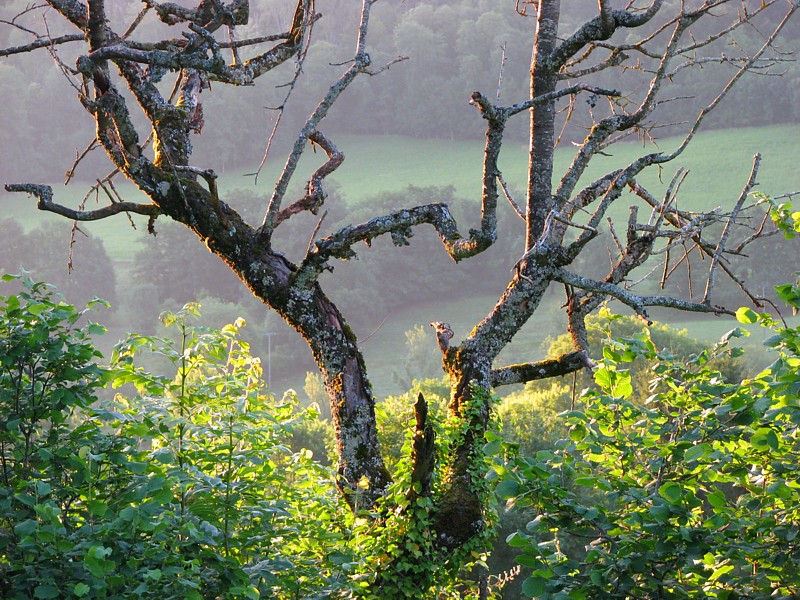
719 163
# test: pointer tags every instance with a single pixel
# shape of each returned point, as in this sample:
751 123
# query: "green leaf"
508 488
734 333
671 492
696 452
717 499
493 448
517 540
96 563
81 589
624 387
26 527
47 591
534 586
764 439
97 508
252 593
660 512
720 572
604 377
746 315
780 490
597 578
577 432
528 560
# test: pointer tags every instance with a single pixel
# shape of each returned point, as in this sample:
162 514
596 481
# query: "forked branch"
315 194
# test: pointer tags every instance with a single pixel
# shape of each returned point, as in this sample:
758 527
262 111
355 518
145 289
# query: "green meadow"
719 163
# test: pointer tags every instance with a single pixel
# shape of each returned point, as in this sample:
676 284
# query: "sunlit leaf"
671 492
746 315
764 439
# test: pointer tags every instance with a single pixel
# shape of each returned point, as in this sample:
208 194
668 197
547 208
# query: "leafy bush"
693 493
676 344
182 487
529 418
185 483
396 415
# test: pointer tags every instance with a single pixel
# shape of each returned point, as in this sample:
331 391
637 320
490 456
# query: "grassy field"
719 161
719 164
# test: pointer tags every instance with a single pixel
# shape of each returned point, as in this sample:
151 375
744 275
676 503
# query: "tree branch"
397 224
423 452
600 28
44 195
360 63
315 194
75 11
635 301
568 91
542 369
42 43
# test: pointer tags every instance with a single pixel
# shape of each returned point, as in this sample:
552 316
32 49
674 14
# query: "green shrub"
692 493
183 486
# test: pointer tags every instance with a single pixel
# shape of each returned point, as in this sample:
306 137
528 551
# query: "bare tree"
648 42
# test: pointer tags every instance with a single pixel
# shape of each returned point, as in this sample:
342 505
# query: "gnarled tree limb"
44 196
542 369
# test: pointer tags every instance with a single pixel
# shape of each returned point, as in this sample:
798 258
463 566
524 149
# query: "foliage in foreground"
694 492
184 485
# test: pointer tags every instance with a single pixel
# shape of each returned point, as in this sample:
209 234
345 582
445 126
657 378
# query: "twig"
751 181
502 66
315 232
299 61
507 194
78 158
135 23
